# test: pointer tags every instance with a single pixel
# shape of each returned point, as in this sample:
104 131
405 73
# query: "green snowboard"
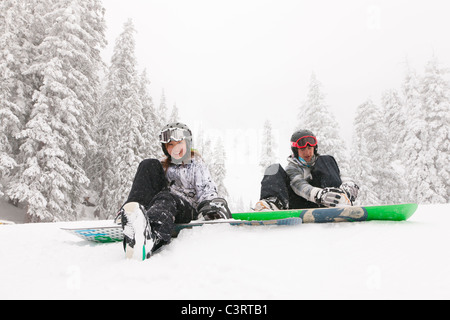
396 212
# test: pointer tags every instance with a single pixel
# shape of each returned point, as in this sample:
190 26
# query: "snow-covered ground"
368 260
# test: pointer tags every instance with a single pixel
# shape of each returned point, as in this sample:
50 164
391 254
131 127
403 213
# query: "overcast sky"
231 64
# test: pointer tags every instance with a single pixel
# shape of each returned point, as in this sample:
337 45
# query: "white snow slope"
365 260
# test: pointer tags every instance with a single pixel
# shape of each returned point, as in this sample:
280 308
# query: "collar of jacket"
304 164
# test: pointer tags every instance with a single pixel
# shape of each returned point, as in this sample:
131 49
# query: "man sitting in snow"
309 181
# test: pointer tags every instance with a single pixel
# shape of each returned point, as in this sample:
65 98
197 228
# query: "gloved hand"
214 209
332 197
351 189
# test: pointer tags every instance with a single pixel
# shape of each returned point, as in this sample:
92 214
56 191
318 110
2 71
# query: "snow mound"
366 260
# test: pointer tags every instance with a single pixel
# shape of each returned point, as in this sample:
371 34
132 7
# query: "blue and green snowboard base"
398 212
113 233
395 212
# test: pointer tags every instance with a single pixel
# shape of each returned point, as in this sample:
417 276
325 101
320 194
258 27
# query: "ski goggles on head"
304 141
173 134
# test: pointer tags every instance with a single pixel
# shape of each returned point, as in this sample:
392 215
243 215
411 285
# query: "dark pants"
164 208
276 183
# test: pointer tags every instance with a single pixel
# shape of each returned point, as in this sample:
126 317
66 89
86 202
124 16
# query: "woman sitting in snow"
177 189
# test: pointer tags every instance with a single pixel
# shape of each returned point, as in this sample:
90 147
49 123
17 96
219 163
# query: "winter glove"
351 189
332 197
214 209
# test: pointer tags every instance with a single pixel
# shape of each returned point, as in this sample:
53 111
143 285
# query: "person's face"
176 149
306 153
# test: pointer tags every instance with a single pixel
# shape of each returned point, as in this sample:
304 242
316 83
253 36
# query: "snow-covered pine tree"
414 159
119 129
206 151
267 156
56 136
217 168
10 111
390 167
203 145
150 147
315 115
162 111
434 182
375 162
365 141
9 125
19 21
198 140
395 117
174 117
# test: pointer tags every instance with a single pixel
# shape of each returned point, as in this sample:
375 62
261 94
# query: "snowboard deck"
395 212
113 233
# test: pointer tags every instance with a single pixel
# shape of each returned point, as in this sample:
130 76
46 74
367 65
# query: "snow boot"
269 204
137 241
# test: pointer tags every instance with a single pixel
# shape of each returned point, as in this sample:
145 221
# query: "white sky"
231 64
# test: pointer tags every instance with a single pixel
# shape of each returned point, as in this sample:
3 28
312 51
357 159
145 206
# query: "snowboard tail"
398 212
98 234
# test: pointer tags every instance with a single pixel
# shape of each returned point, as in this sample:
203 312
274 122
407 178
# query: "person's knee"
150 163
325 160
165 196
273 169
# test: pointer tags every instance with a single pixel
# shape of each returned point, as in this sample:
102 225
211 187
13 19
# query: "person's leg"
297 202
148 182
326 173
275 185
145 231
165 210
